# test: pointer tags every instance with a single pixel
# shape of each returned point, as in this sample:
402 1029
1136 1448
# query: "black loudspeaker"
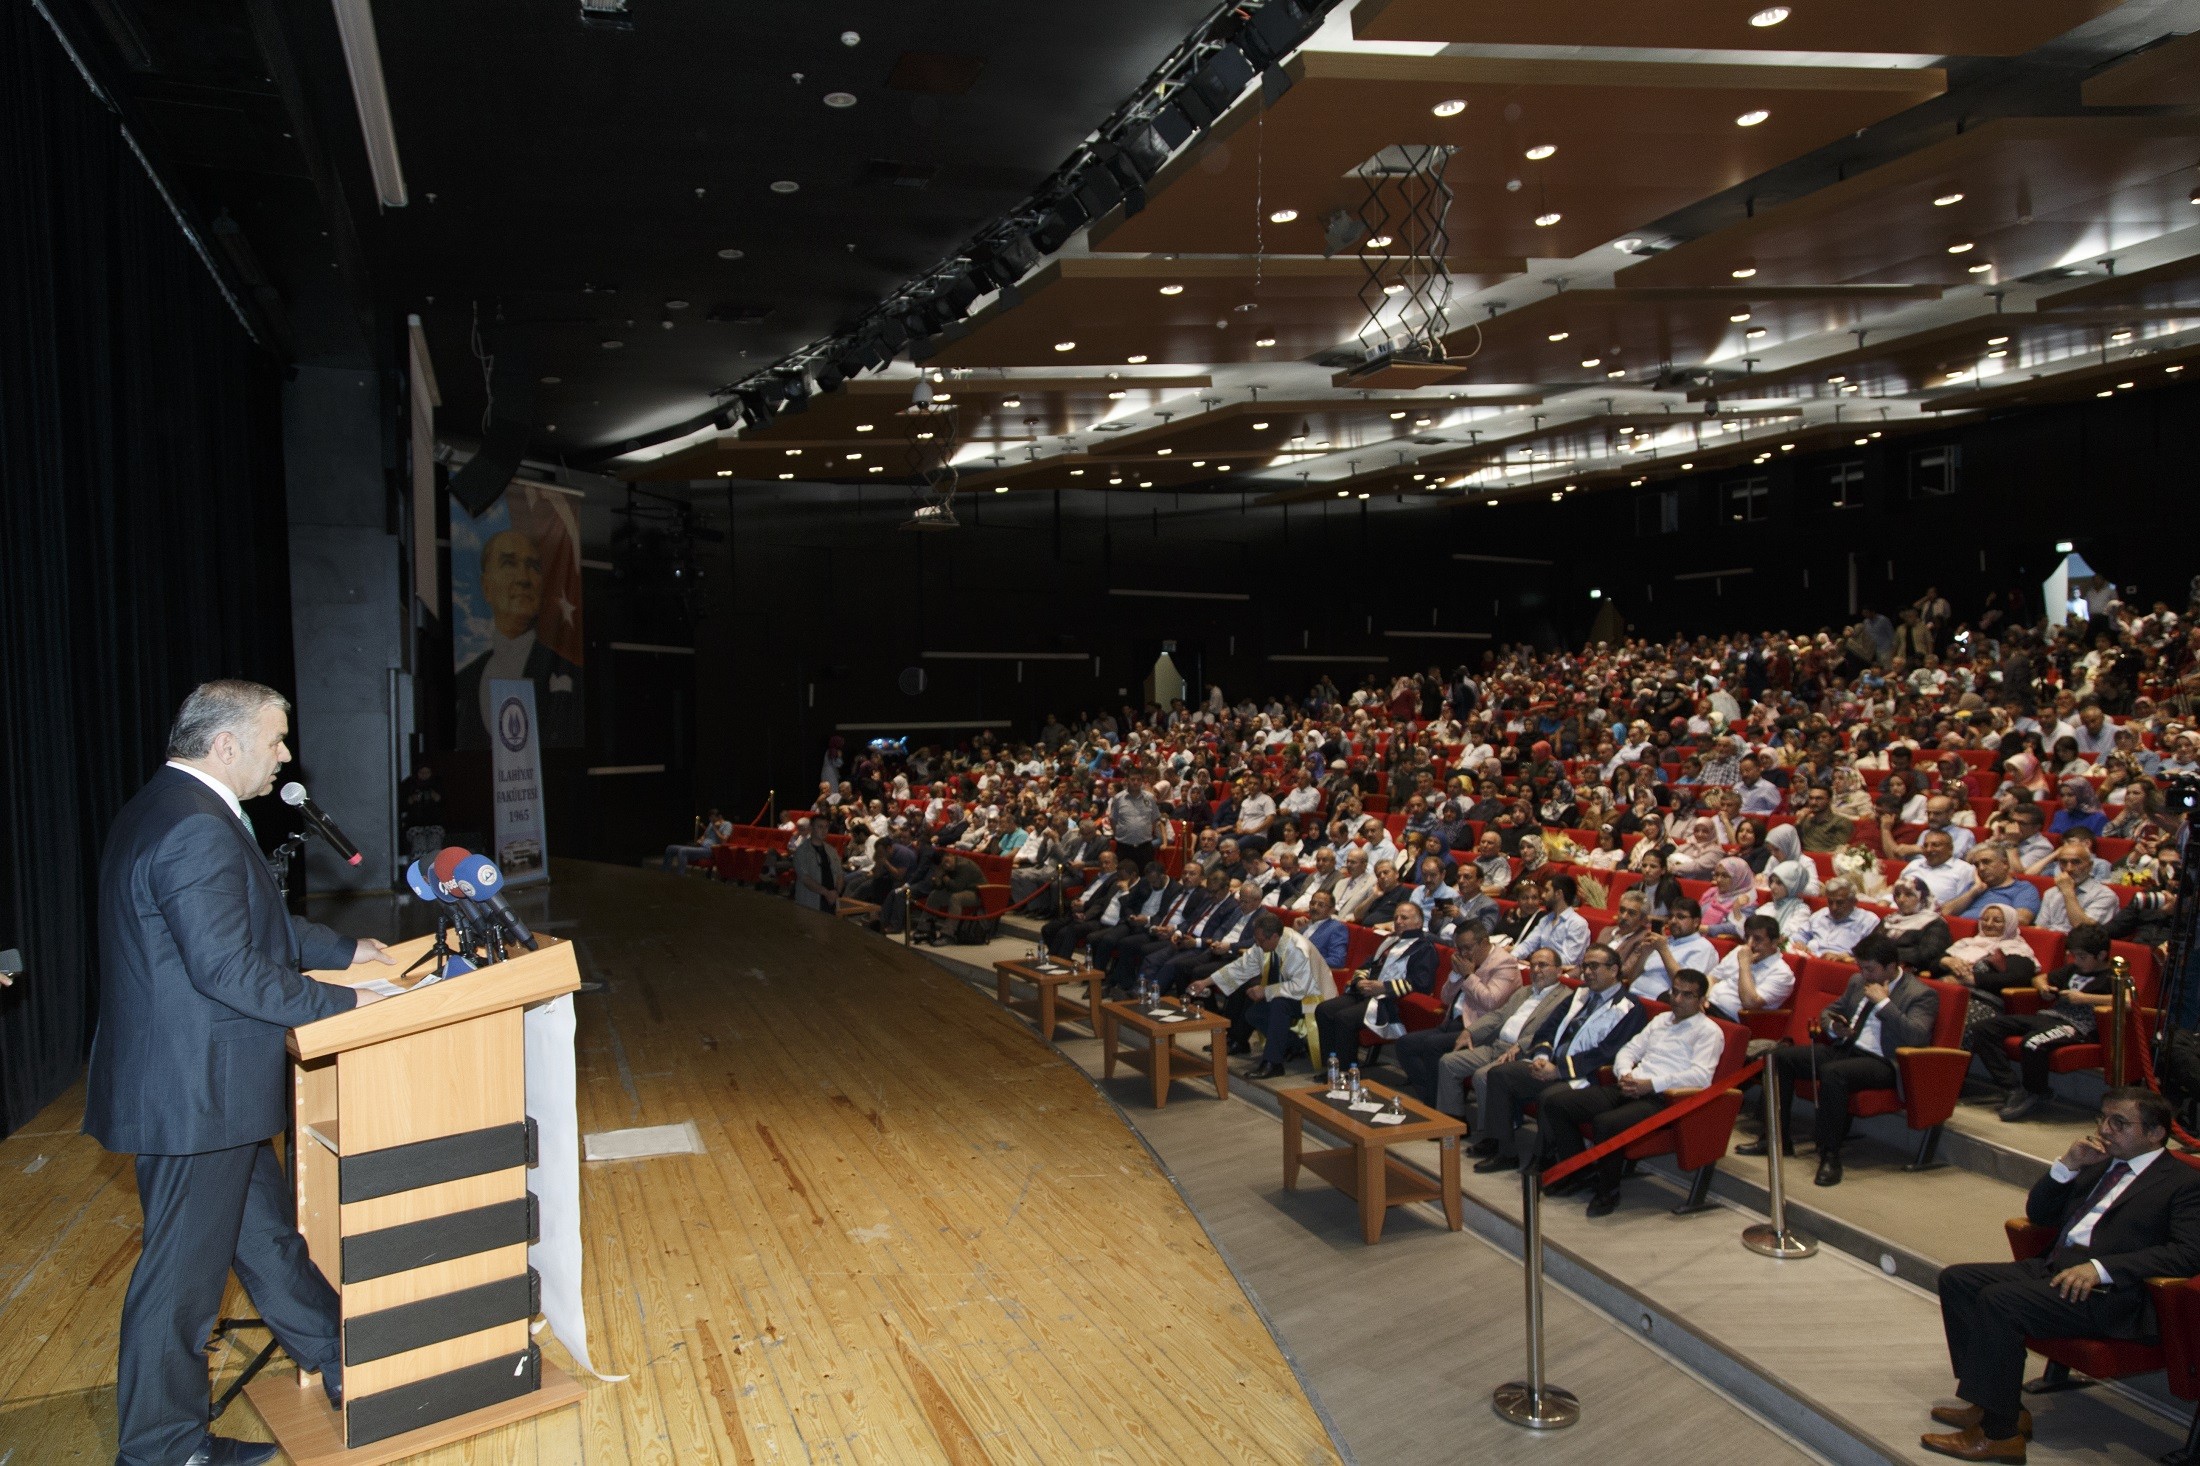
483 479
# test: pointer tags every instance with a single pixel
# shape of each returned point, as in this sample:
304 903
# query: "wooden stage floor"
916 1235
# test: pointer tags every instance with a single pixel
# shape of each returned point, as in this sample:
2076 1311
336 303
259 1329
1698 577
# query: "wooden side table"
1160 1057
1363 1168
1050 996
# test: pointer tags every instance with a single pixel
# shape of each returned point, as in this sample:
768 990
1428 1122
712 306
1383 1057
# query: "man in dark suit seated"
1150 899
1169 933
1224 932
2124 1211
202 974
1404 963
1574 1043
1883 1009
1062 934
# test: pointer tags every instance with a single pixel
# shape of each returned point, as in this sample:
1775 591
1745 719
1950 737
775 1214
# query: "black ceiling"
572 178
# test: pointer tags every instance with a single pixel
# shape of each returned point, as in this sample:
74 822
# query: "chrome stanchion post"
2120 994
1532 1403
1775 1239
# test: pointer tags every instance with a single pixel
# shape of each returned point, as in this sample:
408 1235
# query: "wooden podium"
412 1143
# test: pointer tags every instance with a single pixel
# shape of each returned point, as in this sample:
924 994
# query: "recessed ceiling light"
2125 386
1012 402
2119 336
1394 288
1000 488
1363 496
1627 246
1139 360
1556 497
794 452
852 457
1545 221
1769 16
1981 267
1787 447
1116 480
1260 427
1752 117
1861 442
1344 493
1591 361
1380 241
1115 397
1222 468
730 254
865 427
1875 435
1615 372
1539 152
1423 422
1685 466
1265 341
877 468
725 473
1997 341
1559 335
1997 353
1753 333
1962 248
924 437
1396 415
1065 346
1163 452
840 99
1946 199
1449 107
1746 272
941 397
552 381
1199 463
2104 392
1076 473
1283 216
786 185
1172 290
2173 370
1738 317
786 475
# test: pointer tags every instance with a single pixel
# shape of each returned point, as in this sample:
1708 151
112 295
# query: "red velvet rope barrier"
1667 1116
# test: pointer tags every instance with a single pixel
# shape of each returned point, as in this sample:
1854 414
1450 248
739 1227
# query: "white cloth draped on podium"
553 1104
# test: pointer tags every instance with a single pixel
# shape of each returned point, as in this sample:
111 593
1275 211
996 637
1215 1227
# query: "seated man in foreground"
1265 986
2124 1211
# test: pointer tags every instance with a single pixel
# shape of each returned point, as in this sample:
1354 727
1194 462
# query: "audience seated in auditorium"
1404 963
1578 1038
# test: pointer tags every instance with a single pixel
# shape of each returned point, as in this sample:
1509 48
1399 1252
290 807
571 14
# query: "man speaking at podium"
201 973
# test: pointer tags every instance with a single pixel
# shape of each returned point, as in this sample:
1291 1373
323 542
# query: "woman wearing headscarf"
2081 807
1787 848
1996 959
1919 933
1851 800
1786 884
1731 900
1697 858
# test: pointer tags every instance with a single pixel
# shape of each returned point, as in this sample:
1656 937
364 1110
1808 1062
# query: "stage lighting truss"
1406 295
931 434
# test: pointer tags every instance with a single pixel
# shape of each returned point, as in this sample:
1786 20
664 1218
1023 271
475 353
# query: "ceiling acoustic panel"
2004 200
1626 338
1933 28
1629 142
1108 311
2167 75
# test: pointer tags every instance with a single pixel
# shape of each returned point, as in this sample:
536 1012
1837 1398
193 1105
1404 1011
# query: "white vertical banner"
522 844
553 1103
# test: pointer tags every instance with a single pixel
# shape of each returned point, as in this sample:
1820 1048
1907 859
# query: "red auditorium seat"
1697 1141
2072 1058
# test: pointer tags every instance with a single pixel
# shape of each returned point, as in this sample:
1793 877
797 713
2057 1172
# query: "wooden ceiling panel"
2174 286
1220 310
1937 28
2028 194
2166 76
1634 141
1643 333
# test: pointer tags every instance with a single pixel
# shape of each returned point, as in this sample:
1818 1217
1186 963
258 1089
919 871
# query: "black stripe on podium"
432 1320
409 1245
374 1173
377 1417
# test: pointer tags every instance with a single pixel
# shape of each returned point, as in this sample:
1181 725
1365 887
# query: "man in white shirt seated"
2077 898
1433 888
1678 1050
1560 927
1752 977
1497 871
1256 813
1661 954
1265 987
1759 795
1357 886
1304 797
1834 932
1491 1039
1938 870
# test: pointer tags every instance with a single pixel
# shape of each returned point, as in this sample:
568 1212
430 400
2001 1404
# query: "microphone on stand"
478 877
294 795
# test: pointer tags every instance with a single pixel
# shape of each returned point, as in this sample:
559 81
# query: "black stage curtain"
142 531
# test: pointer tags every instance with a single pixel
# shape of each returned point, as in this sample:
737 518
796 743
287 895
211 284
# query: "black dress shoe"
1265 1071
1604 1203
1482 1148
1566 1185
1495 1162
1829 1169
217 1450
1241 1046
332 1385
1758 1147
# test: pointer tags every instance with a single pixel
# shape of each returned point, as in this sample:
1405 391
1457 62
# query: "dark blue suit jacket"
200 978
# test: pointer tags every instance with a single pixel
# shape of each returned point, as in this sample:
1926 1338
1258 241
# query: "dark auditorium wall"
821 603
142 534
